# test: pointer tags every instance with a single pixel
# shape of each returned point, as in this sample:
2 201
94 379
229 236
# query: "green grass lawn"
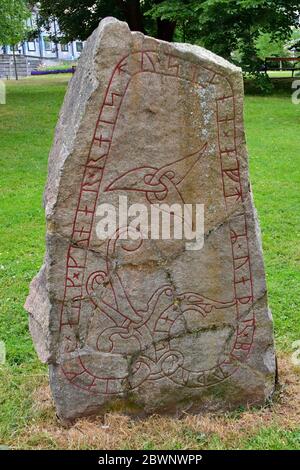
26 130
283 74
66 65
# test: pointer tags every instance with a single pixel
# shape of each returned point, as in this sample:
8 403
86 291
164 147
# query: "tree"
267 47
13 24
79 18
224 26
232 28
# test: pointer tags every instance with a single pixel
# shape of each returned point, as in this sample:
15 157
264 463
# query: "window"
64 47
79 46
48 45
31 46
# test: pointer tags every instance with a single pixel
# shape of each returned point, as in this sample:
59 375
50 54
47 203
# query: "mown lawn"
27 419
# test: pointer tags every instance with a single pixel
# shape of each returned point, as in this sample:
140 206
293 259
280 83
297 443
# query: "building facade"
43 46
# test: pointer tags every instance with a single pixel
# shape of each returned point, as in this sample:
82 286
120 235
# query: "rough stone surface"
149 326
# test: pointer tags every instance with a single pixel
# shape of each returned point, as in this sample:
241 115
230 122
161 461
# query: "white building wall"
43 48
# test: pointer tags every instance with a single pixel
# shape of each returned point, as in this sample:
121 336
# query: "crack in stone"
139 352
226 220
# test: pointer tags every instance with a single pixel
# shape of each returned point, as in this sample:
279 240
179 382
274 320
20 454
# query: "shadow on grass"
280 86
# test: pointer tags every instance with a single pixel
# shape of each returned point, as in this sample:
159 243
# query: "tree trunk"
15 63
165 29
134 17
133 14
56 41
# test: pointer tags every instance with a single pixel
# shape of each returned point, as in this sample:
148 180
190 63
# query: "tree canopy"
223 26
12 21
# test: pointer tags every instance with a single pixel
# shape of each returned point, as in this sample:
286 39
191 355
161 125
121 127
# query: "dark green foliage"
230 28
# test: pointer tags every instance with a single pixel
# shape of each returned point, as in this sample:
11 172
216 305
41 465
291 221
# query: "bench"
282 64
